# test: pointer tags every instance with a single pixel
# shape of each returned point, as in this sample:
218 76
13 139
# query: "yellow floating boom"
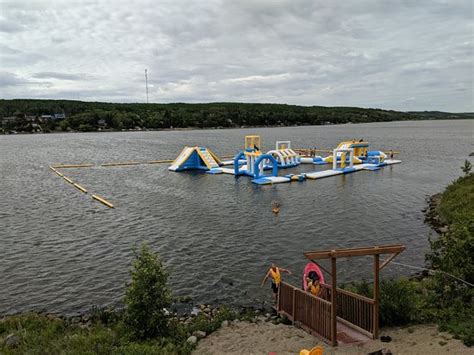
121 163
105 202
68 180
80 188
67 166
160 161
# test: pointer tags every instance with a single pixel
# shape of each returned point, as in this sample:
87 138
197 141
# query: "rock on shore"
432 215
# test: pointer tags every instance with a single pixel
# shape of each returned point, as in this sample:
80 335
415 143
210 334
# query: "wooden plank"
376 295
293 308
349 252
279 298
333 303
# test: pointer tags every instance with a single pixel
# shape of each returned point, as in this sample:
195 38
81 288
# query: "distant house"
102 123
59 116
46 117
7 120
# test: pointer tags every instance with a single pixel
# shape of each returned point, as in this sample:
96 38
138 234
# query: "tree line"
92 116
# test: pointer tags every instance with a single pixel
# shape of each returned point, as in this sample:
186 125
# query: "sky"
401 55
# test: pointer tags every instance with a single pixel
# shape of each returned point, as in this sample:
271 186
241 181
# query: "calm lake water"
60 251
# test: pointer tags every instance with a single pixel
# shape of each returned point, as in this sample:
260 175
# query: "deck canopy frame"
334 254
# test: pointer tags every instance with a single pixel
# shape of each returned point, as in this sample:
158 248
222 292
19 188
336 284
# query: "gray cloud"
402 55
10 26
11 79
61 76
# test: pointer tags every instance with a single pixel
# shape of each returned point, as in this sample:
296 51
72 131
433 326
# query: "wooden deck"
313 314
337 315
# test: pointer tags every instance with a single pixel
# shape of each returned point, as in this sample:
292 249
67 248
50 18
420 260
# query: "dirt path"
265 337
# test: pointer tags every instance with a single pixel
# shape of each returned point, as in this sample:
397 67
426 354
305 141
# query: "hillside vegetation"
91 116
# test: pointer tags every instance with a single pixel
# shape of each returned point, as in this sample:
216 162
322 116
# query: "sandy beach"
266 337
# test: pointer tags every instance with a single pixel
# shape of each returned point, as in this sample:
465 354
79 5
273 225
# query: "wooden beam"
385 263
349 252
376 295
333 303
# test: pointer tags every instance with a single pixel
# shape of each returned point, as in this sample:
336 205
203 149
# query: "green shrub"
147 296
397 303
457 202
452 254
400 300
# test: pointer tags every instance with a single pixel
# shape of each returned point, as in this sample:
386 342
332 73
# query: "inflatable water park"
264 168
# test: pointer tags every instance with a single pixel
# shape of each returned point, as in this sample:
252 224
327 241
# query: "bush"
457 202
452 254
400 300
147 296
397 303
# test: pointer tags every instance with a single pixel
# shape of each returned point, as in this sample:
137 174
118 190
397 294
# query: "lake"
61 251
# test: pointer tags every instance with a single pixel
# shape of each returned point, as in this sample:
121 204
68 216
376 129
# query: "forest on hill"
25 115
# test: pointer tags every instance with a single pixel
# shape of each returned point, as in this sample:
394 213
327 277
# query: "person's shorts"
274 287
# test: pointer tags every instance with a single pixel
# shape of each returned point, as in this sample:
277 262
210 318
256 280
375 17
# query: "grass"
42 334
457 202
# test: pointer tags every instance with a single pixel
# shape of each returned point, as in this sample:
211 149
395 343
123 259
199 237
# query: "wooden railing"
302 308
314 313
285 299
354 310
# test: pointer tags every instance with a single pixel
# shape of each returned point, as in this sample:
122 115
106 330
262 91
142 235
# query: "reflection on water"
62 252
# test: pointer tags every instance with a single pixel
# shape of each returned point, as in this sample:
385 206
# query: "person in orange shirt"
275 273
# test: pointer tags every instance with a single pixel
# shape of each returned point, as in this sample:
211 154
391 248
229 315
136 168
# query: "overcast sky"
403 55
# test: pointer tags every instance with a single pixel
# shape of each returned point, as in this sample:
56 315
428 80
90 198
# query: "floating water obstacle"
195 158
348 157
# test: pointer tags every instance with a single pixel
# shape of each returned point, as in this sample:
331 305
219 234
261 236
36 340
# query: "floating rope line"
434 271
424 268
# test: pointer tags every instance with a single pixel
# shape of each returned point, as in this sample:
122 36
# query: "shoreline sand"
265 337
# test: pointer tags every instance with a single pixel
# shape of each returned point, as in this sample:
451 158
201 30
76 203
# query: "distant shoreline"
184 129
66 115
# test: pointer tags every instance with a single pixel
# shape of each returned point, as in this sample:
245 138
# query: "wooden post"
333 303
278 299
293 310
376 295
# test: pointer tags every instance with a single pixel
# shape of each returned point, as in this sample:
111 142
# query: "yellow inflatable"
317 350
360 149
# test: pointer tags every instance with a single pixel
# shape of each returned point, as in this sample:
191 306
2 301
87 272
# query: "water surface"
62 252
